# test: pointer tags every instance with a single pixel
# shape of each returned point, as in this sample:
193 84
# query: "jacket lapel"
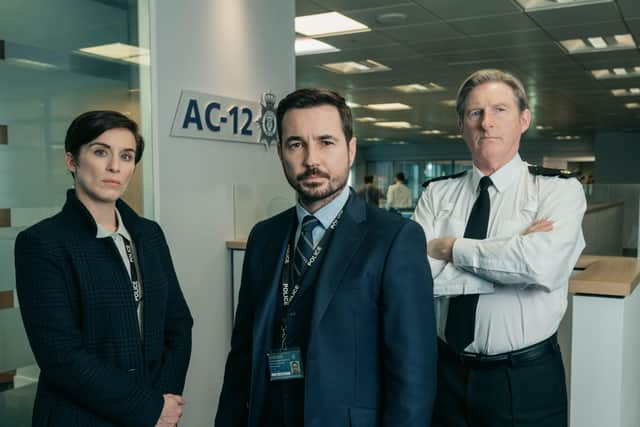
344 244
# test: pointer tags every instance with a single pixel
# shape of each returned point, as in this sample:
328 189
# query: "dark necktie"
461 318
304 247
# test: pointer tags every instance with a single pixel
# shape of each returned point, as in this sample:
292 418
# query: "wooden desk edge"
582 282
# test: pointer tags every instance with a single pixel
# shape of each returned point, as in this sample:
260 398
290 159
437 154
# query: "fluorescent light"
353 105
367 119
30 63
119 51
567 137
417 87
542 127
599 44
634 91
373 139
530 5
396 125
309 46
616 73
389 106
328 24
449 102
454 136
632 105
355 67
431 132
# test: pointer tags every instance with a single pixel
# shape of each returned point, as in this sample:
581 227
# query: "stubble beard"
314 194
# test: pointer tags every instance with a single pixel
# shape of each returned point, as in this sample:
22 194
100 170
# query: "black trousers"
529 393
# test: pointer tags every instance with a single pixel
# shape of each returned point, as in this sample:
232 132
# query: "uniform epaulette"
560 173
440 178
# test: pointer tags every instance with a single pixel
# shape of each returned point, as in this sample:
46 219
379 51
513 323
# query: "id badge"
285 364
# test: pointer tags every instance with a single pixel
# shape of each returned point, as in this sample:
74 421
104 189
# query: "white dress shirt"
399 196
117 239
522 279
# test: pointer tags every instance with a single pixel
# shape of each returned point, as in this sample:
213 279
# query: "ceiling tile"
413 15
515 38
629 8
588 30
495 24
308 7
358 40
344 5
585 14
451 10
423 32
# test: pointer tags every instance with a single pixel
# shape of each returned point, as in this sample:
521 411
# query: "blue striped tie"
304 247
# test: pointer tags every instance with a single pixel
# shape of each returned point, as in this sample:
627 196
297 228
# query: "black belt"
522 356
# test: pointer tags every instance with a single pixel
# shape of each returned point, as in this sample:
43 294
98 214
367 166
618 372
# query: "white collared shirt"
523 280
399 196
117 239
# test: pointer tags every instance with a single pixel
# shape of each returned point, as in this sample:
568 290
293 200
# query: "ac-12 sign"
205 116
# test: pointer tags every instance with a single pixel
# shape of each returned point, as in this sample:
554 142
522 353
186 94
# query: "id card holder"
285 364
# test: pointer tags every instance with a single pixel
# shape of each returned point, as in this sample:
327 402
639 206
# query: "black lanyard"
137 289
287 273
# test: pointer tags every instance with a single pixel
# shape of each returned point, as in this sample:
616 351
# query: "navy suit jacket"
371 357
78 310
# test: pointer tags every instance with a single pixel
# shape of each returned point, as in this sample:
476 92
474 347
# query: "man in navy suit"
335 323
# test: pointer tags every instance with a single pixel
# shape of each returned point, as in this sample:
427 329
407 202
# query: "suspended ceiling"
443 41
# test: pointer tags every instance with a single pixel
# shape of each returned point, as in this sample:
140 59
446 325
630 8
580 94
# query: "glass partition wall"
57 60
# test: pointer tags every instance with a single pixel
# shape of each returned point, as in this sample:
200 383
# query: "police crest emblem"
267 121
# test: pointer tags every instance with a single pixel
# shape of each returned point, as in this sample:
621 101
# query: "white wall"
237 49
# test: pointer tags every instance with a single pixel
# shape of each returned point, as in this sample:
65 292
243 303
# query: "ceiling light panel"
355 67
632 105
328 24
530 5
367 119
419 88
119 51
599 44
389 106
431 132
634 91
396 125
309 46
616 73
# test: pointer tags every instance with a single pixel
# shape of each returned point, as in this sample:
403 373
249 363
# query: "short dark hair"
368 179
88 126
400 176
313 97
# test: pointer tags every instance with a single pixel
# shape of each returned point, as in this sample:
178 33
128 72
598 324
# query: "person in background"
504 238
370 193
100 300
335 285
398 194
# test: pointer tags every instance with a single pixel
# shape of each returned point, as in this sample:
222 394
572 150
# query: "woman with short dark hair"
100 300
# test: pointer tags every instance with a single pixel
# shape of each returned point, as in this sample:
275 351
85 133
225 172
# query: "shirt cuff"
462 253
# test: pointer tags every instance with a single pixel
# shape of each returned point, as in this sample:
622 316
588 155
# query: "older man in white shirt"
504 239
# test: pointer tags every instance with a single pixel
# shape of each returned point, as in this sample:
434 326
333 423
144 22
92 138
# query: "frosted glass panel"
45 82
17 353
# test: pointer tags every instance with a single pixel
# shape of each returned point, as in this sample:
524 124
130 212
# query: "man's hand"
541 225
441 248
171 411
